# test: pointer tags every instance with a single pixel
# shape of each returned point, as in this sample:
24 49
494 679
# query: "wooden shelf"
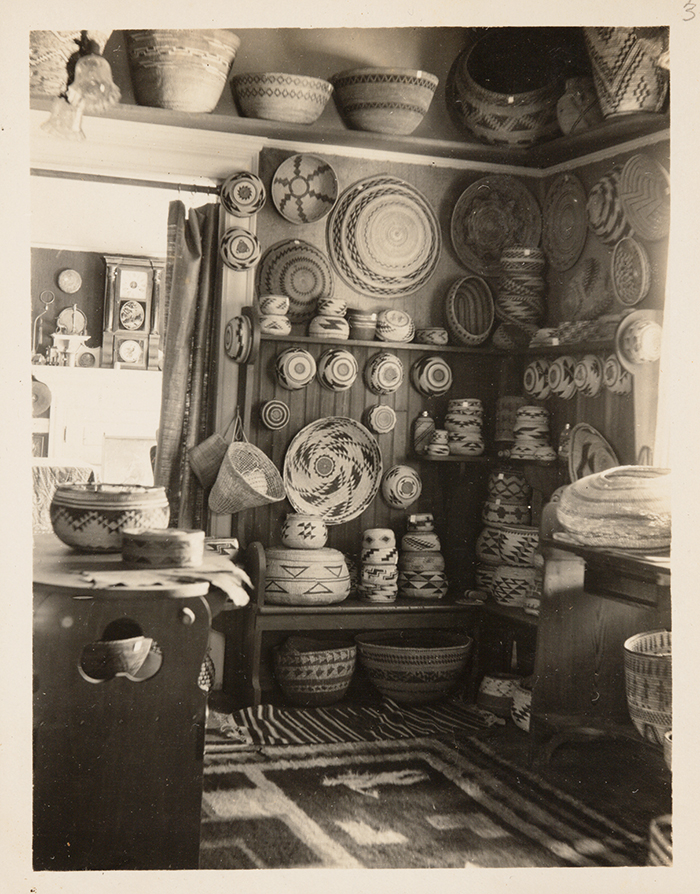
386 345
513 615
612 132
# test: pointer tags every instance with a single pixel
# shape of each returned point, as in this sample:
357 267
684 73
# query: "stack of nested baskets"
520 303
379 573
507 544
648 683
182 70
421 563
314 673
304 571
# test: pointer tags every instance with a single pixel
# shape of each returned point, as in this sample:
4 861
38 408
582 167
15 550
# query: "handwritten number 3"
690 9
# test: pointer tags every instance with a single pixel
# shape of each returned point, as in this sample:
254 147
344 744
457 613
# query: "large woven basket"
278 96
313 673
414 667
180 69
51 56
501 102
246 478
648 683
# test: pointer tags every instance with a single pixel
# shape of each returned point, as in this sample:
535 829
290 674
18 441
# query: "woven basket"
313 673
180 69
50 53
205 459
246 478
648 683
277 96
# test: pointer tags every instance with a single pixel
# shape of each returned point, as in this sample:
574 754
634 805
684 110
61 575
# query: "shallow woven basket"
313 673
180 69
246 478
276 96
470 310
648 683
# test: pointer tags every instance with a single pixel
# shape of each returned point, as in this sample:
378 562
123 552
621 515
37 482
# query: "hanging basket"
246 478
205 459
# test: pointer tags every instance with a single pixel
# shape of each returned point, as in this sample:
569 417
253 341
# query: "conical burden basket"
246 478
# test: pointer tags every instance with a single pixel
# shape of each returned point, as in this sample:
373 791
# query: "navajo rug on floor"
408 803
272 725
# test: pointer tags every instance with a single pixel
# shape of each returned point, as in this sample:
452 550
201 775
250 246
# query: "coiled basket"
414 667
648 683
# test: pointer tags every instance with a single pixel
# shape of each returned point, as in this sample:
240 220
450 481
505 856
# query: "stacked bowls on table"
520 302
464 425
438 443
274 317
508 500
378 566
421 563
506 411
330 320
532 435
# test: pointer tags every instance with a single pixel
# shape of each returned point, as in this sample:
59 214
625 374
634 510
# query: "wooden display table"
593 600
118 763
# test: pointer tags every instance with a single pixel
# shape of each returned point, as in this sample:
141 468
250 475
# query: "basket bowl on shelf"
313 673
182 70
648 685
276 96
52 54
414 667
384 100
502 103
91 517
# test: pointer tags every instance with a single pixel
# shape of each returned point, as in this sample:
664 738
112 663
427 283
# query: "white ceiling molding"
139 150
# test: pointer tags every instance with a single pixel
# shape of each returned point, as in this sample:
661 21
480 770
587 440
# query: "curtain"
190 319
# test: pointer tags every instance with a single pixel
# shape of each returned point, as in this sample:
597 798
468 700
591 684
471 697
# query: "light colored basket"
470 310
276 96
246 478
384 100
183 70
648 683
49 55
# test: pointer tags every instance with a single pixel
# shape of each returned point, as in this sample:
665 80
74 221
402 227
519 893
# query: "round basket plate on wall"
384 237
298 270
332 469
304 189
645 196
631 271
565 222
491 214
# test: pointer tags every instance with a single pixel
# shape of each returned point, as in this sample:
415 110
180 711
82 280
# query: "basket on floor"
246 478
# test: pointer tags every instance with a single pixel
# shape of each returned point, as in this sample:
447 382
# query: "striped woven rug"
408 803
272 725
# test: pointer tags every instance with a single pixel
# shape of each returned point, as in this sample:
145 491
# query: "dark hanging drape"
189 380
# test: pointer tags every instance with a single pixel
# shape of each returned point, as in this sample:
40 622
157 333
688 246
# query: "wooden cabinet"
593 600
